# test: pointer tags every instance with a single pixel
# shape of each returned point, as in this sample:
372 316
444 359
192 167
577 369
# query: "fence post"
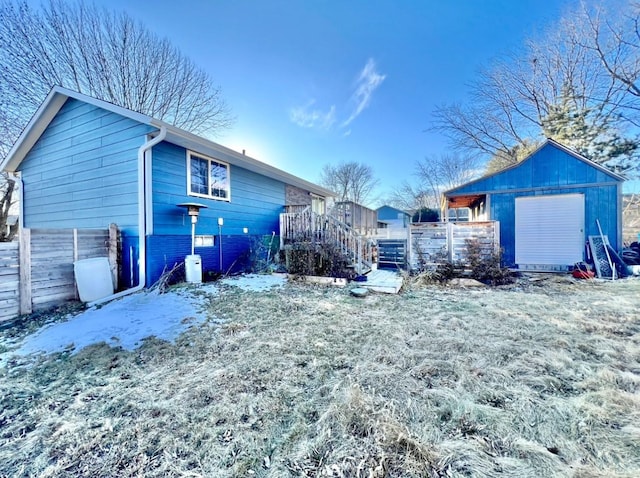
25 271
113 253
450 240
283 230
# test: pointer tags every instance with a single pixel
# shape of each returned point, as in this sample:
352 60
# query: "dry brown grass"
534 380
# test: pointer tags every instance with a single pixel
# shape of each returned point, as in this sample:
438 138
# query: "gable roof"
548 142
58 96
394 208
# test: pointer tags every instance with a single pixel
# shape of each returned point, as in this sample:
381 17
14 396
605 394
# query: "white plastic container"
193 268
93 278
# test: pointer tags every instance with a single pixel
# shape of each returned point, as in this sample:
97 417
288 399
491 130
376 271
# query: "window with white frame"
207 177
205 241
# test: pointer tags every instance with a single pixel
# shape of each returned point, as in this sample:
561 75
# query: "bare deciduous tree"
434 175
102 54
352 181
7 186
555 87
105 55
410 197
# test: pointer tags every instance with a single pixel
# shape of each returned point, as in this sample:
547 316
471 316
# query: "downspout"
143 192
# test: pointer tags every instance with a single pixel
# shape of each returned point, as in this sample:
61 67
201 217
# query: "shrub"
326 259
486 266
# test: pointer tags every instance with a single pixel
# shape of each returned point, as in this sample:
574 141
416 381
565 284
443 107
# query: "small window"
205 241
207 177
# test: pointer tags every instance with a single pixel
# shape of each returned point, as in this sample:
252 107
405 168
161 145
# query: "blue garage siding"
82 172
549 167
550 171
598 201
256 201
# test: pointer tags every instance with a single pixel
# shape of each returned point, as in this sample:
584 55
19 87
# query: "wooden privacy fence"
433 242
9 280
37 272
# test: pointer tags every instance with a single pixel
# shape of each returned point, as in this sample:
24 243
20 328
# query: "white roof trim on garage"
58 96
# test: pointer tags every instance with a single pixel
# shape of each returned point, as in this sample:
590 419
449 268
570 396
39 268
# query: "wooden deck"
383 280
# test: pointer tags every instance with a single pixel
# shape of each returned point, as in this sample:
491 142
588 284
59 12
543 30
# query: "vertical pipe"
193 237
220 236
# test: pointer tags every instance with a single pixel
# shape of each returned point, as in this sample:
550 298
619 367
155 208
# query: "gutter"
143 194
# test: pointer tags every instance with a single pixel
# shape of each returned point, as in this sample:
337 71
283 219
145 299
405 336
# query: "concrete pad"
383 280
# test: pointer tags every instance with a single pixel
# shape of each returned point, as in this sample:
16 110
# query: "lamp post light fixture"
193 263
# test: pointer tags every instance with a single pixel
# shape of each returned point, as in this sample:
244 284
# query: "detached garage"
547 205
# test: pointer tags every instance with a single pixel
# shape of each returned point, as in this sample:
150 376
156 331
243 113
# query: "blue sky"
317 82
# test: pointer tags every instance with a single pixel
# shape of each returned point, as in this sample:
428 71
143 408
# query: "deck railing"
307 225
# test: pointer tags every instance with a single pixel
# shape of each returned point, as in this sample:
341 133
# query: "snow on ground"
124 322
256 282
127 321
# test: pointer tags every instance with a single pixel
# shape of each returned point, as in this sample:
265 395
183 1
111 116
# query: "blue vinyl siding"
165 251
82 172
256 201
550 171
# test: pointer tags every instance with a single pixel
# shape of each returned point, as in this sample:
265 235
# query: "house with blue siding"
547 207
393 217
85 163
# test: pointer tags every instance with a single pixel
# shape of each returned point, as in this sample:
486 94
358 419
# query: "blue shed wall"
549 167
598 201
550 171
82 172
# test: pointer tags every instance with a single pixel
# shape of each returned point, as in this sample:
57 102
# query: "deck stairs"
322 228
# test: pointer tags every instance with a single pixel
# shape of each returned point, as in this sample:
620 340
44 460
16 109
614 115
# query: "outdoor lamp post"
193 262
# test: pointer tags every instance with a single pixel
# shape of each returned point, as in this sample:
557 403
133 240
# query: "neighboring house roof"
387 207
58 96
548 142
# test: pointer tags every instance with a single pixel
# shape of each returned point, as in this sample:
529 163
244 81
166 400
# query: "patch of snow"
256 282
123 322
127 321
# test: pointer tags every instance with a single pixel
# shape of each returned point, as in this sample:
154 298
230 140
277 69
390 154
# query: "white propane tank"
193 268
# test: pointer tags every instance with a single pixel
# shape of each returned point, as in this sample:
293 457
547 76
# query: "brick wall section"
295 196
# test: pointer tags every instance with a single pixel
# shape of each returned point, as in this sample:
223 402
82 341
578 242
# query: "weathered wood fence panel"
38 273
433 242
9 280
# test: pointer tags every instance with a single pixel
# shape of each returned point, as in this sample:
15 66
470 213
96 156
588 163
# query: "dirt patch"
539 378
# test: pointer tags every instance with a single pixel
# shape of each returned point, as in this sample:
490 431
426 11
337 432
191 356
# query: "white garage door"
550 229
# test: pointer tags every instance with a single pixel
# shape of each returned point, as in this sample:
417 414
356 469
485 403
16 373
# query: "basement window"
207 177
205 241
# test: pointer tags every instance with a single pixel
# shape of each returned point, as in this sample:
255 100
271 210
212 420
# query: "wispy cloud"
308 117
368 81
